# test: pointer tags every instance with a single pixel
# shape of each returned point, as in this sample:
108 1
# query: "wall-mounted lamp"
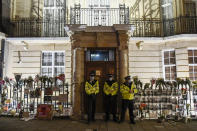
26 45
68 31
19 58
131 30
140 44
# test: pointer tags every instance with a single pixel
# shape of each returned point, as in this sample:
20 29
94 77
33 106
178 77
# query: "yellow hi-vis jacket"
111 90
124 89
92 89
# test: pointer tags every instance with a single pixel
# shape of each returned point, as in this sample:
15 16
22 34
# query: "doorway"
103 62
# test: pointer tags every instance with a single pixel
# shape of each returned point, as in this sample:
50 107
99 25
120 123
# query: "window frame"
192 48
99 3
170 65
53 62
53 8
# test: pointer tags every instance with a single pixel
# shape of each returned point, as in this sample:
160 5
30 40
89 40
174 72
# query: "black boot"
115 119
133 122
106 117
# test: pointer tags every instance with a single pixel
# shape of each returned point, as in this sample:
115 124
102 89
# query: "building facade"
144 38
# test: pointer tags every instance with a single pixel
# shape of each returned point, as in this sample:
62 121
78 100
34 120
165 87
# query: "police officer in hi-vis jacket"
91 89
110 89
128 91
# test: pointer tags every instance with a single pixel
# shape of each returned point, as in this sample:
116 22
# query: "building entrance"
103 62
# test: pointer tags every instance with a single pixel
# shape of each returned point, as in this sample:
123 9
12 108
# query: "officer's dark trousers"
111 106
91 107
127 104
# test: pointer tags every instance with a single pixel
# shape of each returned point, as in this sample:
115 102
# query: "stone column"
124 65
78 80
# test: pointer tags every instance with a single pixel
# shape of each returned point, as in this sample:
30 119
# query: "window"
100 55
190 8
99 3
48 3
53 16
53 63
192 54
169 65
99 16
167 9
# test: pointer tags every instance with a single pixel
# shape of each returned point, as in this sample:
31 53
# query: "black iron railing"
147 28
28 94
99 16
143 28
163 28
37 28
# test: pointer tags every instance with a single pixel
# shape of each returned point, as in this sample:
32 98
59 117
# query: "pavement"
14 124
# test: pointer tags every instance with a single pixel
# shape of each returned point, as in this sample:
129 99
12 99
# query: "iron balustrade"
143 27
27 94
99 16
163 28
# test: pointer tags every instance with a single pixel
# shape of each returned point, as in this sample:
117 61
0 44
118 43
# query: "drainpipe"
2 57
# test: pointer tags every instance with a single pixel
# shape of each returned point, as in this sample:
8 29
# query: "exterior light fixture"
19 58
68 31
140 44
26 45
131 30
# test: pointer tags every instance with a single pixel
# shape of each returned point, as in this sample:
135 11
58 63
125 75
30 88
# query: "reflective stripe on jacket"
124 89
92 89
111 90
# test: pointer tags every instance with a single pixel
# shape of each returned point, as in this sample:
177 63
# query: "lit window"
53 63
100 55
169 61
192 54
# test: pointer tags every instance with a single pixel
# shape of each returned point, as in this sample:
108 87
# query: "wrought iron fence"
143 27
180 25
37 28
163 28
147 28
27 94
99 16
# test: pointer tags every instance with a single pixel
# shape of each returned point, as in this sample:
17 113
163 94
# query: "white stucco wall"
147 63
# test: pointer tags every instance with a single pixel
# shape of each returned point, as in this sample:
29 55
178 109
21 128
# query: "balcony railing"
99 16
169 27
144 28
37 28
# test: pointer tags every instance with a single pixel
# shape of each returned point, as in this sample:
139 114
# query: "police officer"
128 91
91 89
110 89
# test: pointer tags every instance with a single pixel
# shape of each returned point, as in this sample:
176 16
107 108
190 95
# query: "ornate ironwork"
143 27
99 16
